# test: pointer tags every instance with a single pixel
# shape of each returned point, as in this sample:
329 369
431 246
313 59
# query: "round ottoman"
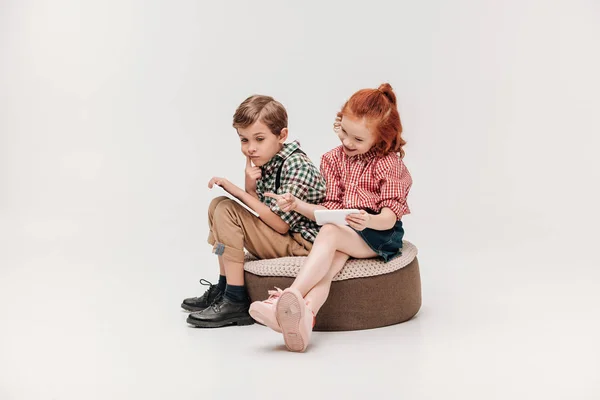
366 293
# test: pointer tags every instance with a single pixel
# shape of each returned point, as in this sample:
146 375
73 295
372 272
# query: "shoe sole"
289 315
190 308
262 319
240 321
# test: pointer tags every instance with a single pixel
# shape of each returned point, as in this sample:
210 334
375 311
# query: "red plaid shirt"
365 181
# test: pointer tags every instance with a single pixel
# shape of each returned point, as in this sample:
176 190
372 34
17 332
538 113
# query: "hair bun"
388 92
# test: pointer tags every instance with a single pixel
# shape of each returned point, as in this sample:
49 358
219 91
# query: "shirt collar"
285 152
361 157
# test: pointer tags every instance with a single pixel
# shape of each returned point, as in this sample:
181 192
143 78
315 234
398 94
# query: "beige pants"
233 228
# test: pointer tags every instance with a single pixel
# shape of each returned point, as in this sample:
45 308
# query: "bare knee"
328 230
328 233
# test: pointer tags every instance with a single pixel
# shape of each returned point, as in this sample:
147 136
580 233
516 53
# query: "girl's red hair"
378 107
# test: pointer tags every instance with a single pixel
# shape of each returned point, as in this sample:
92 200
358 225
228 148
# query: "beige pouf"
366 293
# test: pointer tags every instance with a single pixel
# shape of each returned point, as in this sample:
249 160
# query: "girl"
366 172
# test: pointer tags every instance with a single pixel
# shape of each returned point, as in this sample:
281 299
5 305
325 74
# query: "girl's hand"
286 202
337 124
224 183
252 175
359 221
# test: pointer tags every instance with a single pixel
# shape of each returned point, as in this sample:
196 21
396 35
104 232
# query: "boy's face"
355 135
259 143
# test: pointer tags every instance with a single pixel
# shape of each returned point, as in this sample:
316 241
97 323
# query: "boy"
279 167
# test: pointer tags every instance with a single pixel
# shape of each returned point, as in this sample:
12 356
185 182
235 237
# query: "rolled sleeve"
395 181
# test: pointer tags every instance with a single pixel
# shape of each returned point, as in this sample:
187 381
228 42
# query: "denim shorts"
387 244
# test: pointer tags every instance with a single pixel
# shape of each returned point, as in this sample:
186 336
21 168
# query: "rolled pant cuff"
228 253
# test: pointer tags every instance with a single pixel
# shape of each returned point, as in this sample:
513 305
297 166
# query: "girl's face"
259 143
355 136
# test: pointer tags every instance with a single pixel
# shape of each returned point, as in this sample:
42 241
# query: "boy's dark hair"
261 108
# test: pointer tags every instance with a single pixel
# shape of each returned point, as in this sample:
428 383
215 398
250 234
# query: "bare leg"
333 245
330 239
211 238
234 271
318 294
221 266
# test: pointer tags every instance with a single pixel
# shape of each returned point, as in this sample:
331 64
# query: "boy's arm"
266 215
253 194
252 173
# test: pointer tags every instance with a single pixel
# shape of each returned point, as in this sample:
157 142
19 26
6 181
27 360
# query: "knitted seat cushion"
366 293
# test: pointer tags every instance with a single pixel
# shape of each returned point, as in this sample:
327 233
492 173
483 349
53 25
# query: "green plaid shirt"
299 177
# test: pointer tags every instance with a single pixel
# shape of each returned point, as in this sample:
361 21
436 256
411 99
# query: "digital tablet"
222 192
337 217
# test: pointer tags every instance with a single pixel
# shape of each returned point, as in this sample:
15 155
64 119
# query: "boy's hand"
252 175
218 181
286 202
358 221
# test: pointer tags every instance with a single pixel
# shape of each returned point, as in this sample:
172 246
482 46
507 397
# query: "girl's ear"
283 135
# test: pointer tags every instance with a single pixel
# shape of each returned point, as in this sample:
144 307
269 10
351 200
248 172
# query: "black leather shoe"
211 295
222 313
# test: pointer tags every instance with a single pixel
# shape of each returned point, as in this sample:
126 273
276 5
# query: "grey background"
114 115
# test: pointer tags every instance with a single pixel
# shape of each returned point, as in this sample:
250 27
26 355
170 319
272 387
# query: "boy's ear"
283 135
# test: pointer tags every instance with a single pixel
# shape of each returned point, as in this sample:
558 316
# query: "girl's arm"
395 181
307 209
266 215
385 220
